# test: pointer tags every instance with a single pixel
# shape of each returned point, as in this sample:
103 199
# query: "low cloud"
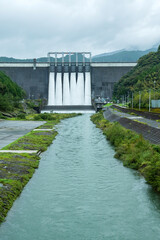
33 28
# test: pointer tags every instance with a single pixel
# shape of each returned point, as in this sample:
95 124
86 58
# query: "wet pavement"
12 130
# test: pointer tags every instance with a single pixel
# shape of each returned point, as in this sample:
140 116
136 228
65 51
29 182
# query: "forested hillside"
10 93
143 77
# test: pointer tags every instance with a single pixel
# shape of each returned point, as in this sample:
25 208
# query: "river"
81 192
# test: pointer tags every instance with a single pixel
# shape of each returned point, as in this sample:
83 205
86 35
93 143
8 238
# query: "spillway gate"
69 78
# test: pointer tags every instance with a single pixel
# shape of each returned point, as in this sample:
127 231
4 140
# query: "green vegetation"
15 172
54 116
35 140
39 140
108 105
143 77
17 169
10 94
132 149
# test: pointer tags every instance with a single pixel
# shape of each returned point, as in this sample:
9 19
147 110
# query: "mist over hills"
116 56
122 56
45 59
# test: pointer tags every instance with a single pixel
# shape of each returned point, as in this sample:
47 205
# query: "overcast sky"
31 28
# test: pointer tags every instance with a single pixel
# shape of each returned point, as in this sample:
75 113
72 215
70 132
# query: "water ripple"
80 191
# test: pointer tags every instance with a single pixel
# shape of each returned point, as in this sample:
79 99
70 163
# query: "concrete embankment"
149 132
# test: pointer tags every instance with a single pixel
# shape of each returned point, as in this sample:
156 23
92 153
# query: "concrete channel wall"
149 133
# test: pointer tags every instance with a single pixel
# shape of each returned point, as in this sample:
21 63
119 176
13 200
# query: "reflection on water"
80 191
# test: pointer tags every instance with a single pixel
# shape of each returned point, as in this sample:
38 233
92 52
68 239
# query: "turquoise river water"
81 192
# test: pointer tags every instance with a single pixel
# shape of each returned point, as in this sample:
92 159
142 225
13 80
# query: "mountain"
121 56
45 59
107 54
116 56
144 76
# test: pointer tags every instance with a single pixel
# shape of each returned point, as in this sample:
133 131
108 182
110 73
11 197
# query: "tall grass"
132 149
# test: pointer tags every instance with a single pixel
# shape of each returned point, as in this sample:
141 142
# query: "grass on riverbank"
108 105
17 169
39 140
15 172
132 149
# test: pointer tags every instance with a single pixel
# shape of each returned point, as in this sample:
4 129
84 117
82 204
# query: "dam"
69 82
67 78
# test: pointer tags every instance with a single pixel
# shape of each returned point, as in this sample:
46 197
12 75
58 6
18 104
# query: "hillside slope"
10 93
143 77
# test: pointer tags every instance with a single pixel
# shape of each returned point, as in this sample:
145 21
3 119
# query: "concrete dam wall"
105 75
34 78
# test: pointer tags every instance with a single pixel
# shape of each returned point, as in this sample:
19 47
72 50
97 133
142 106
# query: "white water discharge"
73 89
59 89
80 89
87 88
69 93
51 89
66 90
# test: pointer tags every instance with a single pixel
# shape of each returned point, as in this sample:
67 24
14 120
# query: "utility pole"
149 100
139 100
154 89
132 100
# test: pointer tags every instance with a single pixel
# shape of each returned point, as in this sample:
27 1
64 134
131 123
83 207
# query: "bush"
21 116
10 93
37 118
2 117
132 149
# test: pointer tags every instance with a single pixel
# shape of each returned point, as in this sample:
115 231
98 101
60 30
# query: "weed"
132 149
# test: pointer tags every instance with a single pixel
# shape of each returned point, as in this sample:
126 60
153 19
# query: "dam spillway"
67 90
69 81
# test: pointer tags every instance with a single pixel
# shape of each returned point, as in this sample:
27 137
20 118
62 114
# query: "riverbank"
17 169
150 129
135 152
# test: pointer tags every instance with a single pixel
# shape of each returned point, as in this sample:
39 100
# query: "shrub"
37 118
132 149
21 116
